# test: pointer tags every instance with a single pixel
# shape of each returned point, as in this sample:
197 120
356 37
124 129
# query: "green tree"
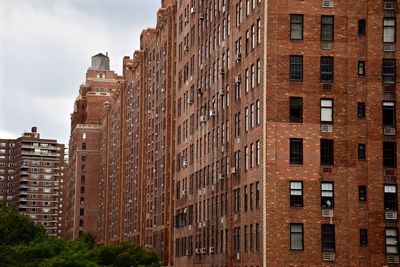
16 228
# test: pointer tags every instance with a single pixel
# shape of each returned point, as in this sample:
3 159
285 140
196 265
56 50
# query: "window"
296 194
361 68
258 156
389 71
328 237
363 237
296 68
361 151
362 192
389 30
327 200
361 110
246 119
296 27
258 71
83 146
296 236
257 236
389 154
326 69
390 197
326 152
296 109
296 151
327 110
388 113
361 27
327 29
392 240
246 158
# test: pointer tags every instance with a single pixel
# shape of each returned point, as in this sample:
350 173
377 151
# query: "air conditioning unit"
326 128
211 249
203 118
222 71
200 225
221 176
238 57
199 91
187 252
162 90
201 16
327 3
328 256
389 5
212 113
190 227
186 48
192 10
221 91
233 170
393 259
389 131
186 19
203 250
184 163
190 100
197 251
327 213
391 215
238 79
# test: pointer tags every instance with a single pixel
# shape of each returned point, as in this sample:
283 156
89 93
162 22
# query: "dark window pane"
362 193
328 237
296 151
361 26
296 236
389 71
363 237
326 152
389 155
296 68
361 109
296 109
327 69
361 151
388 113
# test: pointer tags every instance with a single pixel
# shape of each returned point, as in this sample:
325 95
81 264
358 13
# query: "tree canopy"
24 243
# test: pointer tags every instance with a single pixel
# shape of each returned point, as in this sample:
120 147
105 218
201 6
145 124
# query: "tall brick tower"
82 186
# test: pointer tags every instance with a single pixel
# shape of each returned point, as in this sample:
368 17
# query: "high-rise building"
82 186
258 133
31 171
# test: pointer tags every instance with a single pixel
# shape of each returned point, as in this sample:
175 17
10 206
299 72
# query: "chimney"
34 129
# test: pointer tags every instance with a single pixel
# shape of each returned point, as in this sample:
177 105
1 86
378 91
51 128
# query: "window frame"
327 152
296 68
296 157
296 200
298 235
328 238
326 107
327 67
293 25
395 241
327 195
294 108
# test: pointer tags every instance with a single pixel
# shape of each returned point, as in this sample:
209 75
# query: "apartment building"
82 193
31 170
258 133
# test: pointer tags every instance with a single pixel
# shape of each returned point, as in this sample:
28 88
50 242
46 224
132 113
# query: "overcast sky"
45 50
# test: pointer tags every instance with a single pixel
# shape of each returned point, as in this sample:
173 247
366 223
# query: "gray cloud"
45 49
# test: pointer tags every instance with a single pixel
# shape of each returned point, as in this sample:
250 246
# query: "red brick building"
82 192
31 171
258 133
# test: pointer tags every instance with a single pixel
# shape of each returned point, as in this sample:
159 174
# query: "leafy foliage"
23 243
